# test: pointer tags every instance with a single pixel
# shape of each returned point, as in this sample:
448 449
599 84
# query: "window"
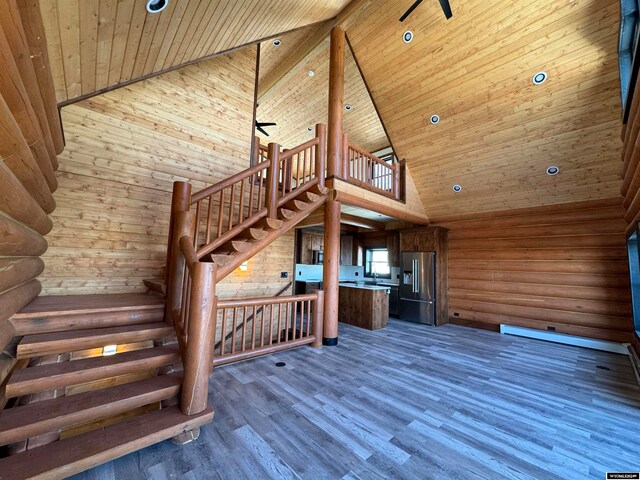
376 263
634 272
627 44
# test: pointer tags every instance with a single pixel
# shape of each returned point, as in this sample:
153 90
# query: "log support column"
335 168
336 104
331 271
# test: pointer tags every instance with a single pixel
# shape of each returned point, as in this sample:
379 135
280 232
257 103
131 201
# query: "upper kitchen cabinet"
393 249
429 239
346 250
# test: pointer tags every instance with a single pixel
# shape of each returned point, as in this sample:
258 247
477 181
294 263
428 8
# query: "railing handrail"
189 253
217 187
371 156
256 301
295 150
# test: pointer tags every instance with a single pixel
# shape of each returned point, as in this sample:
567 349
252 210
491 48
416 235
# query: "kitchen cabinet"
310 241
393 248
346 250
422 240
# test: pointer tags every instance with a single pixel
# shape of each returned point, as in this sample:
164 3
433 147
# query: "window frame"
633 258
627 48
367 262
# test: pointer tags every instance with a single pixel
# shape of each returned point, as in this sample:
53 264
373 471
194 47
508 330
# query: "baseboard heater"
566 339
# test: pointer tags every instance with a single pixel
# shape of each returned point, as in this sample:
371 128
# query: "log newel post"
198 358
273 176
180 202
318 319
182 226
336 97
320 152
331 271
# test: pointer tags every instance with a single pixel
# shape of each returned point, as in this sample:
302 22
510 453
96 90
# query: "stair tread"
79 304
73 455
56 375
45 416
156 285
91 338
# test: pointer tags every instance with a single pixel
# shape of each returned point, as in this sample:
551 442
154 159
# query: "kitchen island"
364 306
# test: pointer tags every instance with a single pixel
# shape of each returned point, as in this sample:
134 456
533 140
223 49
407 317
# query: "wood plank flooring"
411 402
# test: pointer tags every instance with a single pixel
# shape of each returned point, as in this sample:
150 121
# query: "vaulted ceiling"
95 44
300 101
498 132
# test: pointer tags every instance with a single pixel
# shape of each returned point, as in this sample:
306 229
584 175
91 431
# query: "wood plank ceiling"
300 101
95 44
498 132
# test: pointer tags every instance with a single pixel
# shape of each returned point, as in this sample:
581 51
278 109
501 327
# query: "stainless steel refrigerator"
417 287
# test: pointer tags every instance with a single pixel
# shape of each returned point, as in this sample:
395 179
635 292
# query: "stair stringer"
258 246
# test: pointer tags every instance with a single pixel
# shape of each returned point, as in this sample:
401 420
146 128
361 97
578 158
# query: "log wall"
561 267
30 139
125 149
630 189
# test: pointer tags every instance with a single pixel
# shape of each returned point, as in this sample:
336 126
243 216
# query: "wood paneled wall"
30 139
562 266
124 150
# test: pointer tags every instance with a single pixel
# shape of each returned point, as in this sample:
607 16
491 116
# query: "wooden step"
57 375
251 234
219 259
233 246
61 342
319 190
296 205
269 223
308 197
76 454
27 421
286 214
61 313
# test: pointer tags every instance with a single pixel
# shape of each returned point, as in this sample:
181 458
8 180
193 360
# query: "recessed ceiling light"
434 119
407 36
156 6
277 42
456 188
311 73
539 78
552 170
348 107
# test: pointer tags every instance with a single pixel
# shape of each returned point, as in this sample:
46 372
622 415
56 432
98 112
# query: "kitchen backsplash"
314 272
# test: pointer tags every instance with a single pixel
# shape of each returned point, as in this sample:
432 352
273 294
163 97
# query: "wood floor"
411 402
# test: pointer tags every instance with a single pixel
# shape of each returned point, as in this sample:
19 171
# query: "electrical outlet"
356 273
284 274
551 329
456 314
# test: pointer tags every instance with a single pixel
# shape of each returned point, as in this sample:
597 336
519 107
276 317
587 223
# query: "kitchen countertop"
366 287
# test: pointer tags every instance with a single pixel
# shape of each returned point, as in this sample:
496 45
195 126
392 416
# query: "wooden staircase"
89 407
90 378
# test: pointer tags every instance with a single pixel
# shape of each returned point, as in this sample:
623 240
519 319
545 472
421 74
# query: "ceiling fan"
260 125
446 8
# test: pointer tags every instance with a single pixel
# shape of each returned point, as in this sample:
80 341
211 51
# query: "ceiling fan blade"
261 130
446 8
411 9
266 124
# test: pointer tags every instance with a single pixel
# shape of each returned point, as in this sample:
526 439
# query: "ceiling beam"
317 218
287 67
